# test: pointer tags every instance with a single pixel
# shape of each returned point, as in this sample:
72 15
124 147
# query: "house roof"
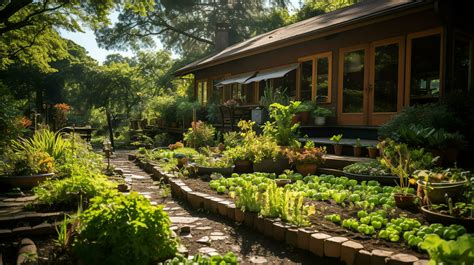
364 10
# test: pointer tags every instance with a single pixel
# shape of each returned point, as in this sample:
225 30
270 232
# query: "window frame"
313 58
205 85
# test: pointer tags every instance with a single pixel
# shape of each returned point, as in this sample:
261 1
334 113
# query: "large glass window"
386 78
353 82
306 80
322 79
425 69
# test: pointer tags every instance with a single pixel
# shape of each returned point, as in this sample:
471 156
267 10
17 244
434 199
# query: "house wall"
400 26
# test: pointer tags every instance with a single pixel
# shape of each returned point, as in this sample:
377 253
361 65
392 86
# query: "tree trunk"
109 123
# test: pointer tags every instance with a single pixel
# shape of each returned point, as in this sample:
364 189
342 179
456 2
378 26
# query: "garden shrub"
200 135
124 229
71 191
435 116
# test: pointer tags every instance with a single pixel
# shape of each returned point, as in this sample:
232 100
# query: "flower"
25 122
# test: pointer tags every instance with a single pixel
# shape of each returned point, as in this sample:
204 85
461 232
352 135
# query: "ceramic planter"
405 201
338 149
271 166
438 190
243 166
306 169
373 152
357 151
23 182
319 121
435 217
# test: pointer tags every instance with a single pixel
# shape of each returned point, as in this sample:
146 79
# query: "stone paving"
201 232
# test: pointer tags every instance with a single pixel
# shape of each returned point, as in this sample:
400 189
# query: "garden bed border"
320 244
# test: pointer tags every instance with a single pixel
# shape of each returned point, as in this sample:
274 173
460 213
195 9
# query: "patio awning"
236 79
272 73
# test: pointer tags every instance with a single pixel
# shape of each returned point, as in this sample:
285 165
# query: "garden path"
202 232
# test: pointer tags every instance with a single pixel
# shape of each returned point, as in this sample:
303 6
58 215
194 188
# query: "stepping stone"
204 240
203 228
183 220
217 238
133 176
207 250
217 233
258 260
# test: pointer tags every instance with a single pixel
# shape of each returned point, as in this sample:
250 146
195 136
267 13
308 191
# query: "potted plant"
357 148
206 165
282 128
200 135
303 112
268 156
403 162
320 114
373 151
337 147
25 169
438 183
308 159
182 159
367 171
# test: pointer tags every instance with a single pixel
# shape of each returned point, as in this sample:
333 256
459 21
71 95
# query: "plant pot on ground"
405 201
243 166
337 146
304 110
438 184
437 216
320 114
23 182
357 148
307 159
271 166
373 151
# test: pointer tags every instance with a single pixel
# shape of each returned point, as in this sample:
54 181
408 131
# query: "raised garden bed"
385 180
328 240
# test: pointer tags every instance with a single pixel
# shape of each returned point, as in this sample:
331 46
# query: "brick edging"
320 244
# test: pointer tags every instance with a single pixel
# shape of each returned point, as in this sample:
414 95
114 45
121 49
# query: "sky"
87 40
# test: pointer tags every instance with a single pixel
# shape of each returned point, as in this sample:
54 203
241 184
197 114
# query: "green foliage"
435 116
264 147
10 126
71 191
271 95
23 163
307 155
313 8
44 141
200 135
231 139
229 258
282 128
416 135
336 138
449 252
372 168
248 198
321 112
124 229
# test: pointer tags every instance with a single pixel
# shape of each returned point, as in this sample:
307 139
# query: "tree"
187 27
312 8
28 29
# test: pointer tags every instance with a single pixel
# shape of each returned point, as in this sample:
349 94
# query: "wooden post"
109 123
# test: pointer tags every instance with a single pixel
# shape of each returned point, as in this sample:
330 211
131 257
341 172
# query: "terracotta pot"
338 149
373 152
319 120
182 161
405 201
437 191
306 169
23 182
271 166
357 151
243 166
304 116
296 118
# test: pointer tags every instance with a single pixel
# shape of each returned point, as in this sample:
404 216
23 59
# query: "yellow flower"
412 181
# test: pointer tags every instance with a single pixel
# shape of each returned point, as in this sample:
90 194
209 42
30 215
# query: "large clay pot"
338 149
405 200
23 182
243 166
306 169
271 166
434 217
438 190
